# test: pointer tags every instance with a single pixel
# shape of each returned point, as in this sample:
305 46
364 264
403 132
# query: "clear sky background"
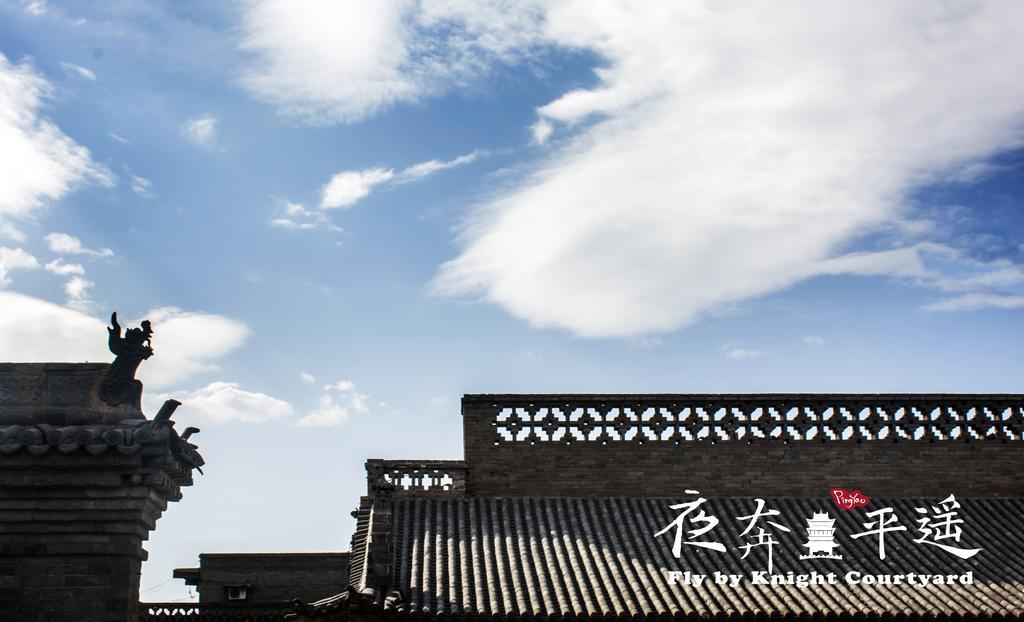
341 216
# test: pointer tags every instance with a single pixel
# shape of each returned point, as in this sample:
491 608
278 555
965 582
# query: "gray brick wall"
763 467
272 577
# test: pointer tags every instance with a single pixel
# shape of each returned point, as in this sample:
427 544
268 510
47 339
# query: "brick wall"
57 394
499 467
272 577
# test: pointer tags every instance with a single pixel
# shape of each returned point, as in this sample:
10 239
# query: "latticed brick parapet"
420 477
220 612
776 444
717 418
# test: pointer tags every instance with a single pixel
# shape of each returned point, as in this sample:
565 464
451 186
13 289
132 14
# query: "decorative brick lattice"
195 612
719 418
442 477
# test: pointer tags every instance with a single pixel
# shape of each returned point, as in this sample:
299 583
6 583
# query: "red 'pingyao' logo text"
846 500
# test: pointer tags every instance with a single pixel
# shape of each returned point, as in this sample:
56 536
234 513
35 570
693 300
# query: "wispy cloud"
9 231
77 291
201 130
297 217
337 402
347 187
142 187
60 268
813 341
77 287
423 169
40 163
540 131
743 354
67 244
974 284
79 71
36 7
978 300
343 190
14 259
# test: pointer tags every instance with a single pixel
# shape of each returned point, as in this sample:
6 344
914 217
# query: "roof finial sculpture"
120 385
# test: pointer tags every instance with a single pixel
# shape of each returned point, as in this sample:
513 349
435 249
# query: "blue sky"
340 217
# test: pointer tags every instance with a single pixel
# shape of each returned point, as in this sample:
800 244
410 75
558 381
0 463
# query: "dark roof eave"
189 575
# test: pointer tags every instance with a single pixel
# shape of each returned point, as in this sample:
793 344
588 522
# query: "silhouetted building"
266 577
611 506
84 476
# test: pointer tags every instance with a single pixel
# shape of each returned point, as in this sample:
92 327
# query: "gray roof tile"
587 557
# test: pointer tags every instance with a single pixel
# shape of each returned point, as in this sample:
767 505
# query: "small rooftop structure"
266 577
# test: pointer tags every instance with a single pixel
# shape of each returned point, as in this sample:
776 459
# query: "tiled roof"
598 557
126 437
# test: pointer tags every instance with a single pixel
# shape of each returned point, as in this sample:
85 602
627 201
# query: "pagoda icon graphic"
821 543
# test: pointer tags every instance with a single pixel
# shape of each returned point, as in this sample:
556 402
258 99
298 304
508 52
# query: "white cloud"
66 244
201 130
814 341
60 268
14 259
900 262
185 343
287 223
540 132
40 163
33 330
742 354
8 230
999 273
307 377
978 300
142 187
36 7
223 402
731 151
423 169
295 209
77 287
347 187
120 139
79 71
297 217
726 152
328 62
328 413
978 284
336 403
77 290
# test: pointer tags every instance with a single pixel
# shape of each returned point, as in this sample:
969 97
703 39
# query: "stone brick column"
82 484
